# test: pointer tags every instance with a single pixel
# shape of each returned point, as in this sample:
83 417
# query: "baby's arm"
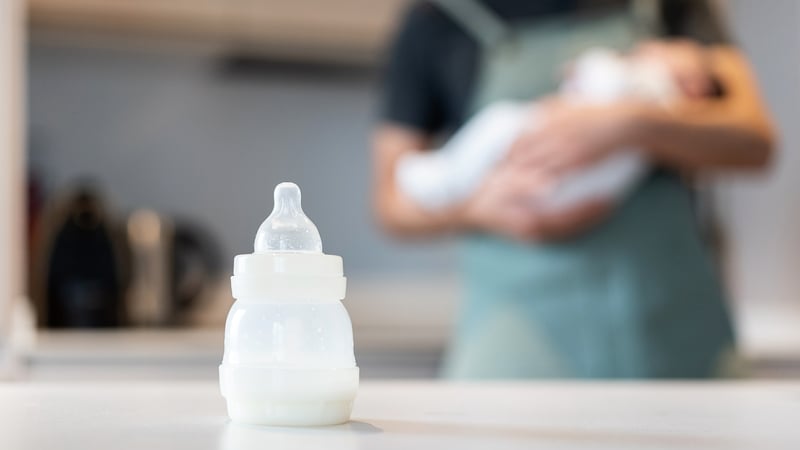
441 178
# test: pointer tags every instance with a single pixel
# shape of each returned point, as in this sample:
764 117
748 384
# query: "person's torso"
542 38
604 292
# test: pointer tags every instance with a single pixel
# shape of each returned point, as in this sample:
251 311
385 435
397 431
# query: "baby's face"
686 61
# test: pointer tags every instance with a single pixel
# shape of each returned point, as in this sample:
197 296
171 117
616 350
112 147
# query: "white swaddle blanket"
440 178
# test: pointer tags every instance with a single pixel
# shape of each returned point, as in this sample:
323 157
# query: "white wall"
762 214
11 157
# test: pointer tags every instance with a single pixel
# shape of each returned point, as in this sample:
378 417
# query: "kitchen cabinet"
353 31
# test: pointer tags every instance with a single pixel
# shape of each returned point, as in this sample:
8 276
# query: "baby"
445 177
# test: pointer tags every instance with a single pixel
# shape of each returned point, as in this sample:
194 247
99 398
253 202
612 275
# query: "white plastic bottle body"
266 332
289 362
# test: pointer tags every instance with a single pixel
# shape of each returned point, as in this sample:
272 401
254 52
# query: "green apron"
634 297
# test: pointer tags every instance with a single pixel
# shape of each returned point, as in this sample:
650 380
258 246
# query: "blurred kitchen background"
162 127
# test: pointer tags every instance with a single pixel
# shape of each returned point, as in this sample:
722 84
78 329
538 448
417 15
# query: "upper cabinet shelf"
352 30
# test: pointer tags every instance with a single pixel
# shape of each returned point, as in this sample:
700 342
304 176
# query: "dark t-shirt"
433 61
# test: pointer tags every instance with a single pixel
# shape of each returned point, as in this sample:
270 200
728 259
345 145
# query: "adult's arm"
499 206
394 211
731 132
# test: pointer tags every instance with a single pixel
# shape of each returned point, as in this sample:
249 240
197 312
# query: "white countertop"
413 415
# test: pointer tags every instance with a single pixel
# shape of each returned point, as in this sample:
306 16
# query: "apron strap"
647 17
478 21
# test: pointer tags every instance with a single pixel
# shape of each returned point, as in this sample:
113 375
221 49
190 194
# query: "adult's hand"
504 205
570 136
566 138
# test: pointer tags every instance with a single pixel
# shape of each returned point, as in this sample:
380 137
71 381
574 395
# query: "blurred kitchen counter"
414 415
125 355
401 336
194 354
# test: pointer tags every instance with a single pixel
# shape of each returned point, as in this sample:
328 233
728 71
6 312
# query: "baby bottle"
288 339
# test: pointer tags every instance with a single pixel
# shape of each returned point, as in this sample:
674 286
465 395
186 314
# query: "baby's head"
659 72
685 61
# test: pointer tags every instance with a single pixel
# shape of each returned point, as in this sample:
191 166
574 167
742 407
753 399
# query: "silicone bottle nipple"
288 229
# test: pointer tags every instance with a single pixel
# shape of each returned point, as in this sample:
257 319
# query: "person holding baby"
608 287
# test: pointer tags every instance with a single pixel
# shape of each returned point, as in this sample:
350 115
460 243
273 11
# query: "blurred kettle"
172 267
79 276
89 272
